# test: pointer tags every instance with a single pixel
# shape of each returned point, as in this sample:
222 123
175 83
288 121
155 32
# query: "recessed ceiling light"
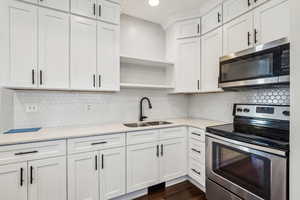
153 3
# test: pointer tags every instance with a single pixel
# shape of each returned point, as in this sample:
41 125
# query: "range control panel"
262 111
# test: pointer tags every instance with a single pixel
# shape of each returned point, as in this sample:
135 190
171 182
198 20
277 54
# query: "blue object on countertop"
23 130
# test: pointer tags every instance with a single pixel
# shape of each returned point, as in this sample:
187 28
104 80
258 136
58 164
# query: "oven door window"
249 171
247 68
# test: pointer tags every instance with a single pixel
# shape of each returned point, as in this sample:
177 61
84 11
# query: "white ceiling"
161 13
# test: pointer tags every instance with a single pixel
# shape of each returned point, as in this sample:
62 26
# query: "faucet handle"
143 118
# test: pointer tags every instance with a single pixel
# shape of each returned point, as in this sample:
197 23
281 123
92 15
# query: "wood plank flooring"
181 191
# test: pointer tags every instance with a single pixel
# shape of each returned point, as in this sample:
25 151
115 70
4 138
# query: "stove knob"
246 110
239 110
286 113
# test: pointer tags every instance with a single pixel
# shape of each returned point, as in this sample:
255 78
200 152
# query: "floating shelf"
134 85
145 62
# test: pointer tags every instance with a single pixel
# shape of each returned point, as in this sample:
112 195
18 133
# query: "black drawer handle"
98 143
196 150
21 177
31 175
197 134
96 162
25 153
199 173
102 161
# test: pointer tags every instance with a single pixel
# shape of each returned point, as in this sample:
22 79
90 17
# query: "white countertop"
57 133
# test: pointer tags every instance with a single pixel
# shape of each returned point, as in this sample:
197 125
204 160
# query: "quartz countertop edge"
61 133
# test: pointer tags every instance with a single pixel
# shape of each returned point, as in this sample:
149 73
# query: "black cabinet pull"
197 134
41 77
248 36
249 3
219 17
98 143
21 176
96 162
102 163
94 80
94 9
32 76
100 10
255 36
31 175
25 153
100 81
198 84
196 150
199 173
198 28
162 150
157 150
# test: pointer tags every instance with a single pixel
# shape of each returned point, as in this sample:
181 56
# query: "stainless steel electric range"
248 159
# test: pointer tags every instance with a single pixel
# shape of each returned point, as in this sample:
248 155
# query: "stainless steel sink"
145 124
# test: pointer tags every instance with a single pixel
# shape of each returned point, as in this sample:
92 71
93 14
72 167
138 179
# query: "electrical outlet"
31 108
88 107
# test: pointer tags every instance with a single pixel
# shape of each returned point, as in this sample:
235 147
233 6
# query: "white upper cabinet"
188 65
108 57
173 163
56 4
271 21
13 181
83 53
83 176
112 173
21 21
47 179
189 28
87 8
234 8
210 54
212 20
108 11
53 49
238 34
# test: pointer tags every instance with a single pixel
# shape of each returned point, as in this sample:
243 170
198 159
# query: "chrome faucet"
142 117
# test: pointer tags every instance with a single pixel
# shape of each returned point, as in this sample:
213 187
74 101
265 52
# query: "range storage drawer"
197 134
32 151
95 143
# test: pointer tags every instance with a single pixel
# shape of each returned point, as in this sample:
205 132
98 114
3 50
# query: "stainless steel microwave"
267 64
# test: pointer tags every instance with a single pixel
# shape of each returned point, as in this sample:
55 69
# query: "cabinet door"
238 34
112 173
210 59
83 176
188 65
47 179
87 8
13 182
189 28
56 4
53 49
23 44
212 20
109 12
235 8
173 163
83 53
271 21
142 166
108 57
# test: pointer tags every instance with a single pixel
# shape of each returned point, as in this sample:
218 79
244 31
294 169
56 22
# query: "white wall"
6 109
141 38
295 101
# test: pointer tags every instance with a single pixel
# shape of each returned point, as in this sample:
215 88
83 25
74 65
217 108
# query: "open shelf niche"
146 73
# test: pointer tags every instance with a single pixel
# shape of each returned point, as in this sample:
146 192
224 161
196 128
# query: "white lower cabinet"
13 182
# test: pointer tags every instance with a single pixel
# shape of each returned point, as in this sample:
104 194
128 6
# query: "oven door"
249 173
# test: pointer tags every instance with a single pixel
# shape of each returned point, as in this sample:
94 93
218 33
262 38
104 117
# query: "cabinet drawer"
197 134
197 151
32 151
140 137
172 133
87 144
197 171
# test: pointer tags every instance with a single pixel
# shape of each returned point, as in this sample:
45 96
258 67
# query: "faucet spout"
142 117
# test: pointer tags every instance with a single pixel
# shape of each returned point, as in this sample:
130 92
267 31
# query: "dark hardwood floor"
181 191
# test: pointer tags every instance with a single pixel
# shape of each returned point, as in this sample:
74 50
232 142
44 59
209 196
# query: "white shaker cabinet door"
173 155
238 34
87 8
53 49
189 28
212 20
83 53
108 57
271 21
13 181
112 173
22 26
83 176
47 179
235 8
142 166
188 65
210 59
108 11
56 4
